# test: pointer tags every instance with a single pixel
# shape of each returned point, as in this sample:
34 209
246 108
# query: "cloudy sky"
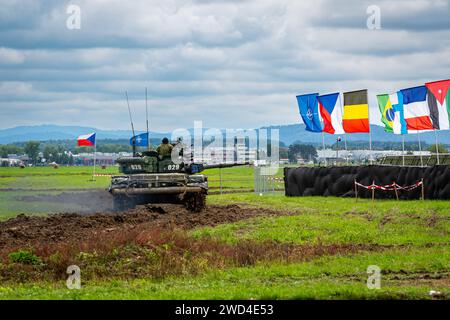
229 63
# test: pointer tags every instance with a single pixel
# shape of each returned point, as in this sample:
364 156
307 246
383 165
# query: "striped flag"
416 110
439 103
331 113
356 112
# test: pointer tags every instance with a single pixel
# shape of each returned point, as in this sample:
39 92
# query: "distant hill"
297 132
54 132
288 134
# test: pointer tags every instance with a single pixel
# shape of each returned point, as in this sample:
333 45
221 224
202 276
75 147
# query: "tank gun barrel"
225 165
197 168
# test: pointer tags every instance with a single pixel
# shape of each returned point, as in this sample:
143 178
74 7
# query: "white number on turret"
136 167
173 167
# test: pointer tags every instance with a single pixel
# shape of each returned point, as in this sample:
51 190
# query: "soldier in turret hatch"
165 148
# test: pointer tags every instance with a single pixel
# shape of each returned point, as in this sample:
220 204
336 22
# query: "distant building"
237 153
330 156
102 159
10 162
13 160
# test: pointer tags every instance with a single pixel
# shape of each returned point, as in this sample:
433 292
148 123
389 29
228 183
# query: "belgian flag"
356 112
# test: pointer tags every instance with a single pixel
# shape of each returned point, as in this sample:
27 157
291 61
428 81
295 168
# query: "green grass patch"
334 205
24 257
63 170
341 229
337 220
333 277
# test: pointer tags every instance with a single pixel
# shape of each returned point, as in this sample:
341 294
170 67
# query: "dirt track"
27 230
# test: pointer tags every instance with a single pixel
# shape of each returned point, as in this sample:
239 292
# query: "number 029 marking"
172 167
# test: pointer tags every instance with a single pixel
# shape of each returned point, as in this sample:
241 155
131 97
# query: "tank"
149 178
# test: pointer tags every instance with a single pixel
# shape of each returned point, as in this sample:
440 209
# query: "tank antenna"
132 125
146 116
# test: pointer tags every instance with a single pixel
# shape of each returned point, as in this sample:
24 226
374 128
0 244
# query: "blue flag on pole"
140 140
308 107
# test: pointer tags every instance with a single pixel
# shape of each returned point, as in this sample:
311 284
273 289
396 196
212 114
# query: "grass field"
408 240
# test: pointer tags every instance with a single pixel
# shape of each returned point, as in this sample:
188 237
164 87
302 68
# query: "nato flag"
308 107
141 140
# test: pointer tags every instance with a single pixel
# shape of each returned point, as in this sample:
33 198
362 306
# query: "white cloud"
228 63
11 56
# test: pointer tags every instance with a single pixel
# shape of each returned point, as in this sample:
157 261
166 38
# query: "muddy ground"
24 230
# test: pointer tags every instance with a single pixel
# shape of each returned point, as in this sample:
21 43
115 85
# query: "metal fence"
416 161
264 183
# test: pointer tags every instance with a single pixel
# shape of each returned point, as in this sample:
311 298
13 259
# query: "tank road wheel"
122 203
195 202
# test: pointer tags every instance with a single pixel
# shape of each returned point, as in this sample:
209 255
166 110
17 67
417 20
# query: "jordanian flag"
439 103
387 112
356 112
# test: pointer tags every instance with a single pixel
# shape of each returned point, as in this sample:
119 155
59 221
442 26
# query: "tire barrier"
340 181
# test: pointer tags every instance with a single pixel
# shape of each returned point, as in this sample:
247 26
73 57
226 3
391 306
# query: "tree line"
305 151
62 152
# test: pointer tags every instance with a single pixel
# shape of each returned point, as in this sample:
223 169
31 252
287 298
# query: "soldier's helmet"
165 140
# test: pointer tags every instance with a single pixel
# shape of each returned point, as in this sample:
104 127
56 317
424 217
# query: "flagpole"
370 131
95 158
132 125
345 134
403 150
346 151
437 148
146 116
420 148
323 147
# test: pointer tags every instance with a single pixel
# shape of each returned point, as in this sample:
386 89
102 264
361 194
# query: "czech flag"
331 113
87 140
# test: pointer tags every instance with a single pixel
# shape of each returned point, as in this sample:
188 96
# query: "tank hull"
175 188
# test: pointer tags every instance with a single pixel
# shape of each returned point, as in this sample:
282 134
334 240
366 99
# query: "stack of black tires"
339 181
